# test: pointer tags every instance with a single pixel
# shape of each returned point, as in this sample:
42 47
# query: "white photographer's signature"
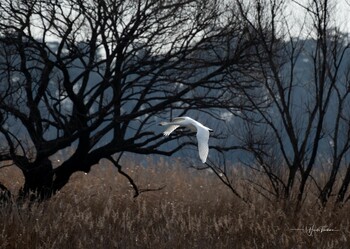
311 230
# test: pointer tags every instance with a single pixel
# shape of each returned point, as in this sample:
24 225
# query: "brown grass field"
194 210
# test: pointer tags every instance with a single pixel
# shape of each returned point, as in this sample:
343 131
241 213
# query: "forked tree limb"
137 190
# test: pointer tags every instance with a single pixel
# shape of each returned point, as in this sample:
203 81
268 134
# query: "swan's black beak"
210 130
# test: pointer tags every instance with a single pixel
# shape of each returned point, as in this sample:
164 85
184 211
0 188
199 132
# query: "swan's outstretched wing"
170 129
203 147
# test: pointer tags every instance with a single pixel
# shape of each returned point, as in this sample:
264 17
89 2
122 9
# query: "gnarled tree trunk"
38 180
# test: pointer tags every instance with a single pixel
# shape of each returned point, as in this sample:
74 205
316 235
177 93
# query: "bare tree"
306 118
96 76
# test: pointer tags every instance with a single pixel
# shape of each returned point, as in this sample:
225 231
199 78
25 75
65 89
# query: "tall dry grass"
193 211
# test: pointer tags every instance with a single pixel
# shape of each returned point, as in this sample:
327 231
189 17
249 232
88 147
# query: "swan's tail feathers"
192 128
163 123
178 119
170 129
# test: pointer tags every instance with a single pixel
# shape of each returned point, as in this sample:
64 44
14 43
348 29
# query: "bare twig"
119 167
137 190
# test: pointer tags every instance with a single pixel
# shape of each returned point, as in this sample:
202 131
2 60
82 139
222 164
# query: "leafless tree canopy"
304 128
95 76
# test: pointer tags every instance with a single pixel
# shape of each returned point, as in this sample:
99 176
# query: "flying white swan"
195 126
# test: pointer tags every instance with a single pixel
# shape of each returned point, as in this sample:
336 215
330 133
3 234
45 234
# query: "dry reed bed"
193 211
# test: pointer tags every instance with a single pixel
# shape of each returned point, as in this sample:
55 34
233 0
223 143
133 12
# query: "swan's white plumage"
203 148
170 129
202 133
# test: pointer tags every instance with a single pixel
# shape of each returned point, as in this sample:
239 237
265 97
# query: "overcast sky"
340 14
